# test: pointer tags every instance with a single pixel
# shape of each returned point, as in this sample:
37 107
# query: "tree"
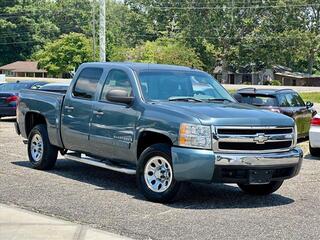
126 28
163 50
65 54
239 33
73 16
24 27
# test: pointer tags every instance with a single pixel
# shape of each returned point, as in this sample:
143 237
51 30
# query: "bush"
276 83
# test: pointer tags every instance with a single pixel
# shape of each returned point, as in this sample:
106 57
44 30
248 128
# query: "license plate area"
260 176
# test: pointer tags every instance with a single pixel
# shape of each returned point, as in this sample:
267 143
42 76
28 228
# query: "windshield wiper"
217 100
185 99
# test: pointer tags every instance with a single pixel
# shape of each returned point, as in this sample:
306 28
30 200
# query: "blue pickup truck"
165 124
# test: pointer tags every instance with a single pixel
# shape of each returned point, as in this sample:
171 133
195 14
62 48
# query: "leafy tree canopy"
65 54
163 50
233 34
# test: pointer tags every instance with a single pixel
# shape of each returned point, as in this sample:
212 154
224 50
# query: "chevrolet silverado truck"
165 124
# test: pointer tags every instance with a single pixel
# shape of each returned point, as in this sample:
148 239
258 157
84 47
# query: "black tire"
264 189
314 151
49 154
162 150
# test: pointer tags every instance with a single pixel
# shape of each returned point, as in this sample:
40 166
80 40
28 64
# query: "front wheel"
155 176
263 189
42 155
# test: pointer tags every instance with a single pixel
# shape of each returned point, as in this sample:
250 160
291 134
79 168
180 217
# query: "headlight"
195 136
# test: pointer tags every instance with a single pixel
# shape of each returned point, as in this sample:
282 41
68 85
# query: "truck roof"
142 66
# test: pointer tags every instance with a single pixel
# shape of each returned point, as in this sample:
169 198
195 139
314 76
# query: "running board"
107 165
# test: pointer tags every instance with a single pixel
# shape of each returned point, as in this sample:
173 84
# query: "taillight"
315 121
12 99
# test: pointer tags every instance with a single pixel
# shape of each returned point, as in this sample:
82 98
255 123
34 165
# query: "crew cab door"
113 124
77 109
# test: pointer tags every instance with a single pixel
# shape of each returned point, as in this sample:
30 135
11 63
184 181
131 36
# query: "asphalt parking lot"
111 201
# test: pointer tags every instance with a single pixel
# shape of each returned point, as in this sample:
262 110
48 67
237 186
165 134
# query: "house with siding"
284 75
23 69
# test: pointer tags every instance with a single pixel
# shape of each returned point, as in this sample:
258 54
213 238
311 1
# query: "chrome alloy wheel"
36 147
158 174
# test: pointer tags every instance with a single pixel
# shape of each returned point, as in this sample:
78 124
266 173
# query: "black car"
9 93
285 101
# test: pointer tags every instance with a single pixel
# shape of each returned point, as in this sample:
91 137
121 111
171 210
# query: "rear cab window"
87 82
259 100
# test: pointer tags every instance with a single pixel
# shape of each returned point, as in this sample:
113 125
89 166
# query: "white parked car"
314 136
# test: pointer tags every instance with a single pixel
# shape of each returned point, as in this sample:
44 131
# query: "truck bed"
48 104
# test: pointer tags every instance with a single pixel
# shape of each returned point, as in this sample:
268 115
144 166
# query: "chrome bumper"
292 157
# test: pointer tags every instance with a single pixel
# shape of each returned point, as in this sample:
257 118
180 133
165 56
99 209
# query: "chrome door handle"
99 113
69 108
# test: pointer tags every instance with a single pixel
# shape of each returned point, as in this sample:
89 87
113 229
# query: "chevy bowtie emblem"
260 138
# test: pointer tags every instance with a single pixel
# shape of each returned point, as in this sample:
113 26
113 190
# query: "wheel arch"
147 138
32 119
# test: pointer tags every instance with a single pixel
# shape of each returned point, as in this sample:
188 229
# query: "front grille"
254 146
250 139
254 131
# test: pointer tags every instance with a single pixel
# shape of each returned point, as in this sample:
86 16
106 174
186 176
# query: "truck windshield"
169 85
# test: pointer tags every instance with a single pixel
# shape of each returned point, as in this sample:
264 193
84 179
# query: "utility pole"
102 32
94 28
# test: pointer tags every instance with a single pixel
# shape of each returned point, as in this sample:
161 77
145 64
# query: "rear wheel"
42 155
314 151
263 189
155 175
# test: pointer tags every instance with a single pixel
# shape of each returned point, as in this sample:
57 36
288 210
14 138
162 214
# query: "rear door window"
87 82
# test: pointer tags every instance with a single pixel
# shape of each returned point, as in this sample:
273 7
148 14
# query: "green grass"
311 96
232 91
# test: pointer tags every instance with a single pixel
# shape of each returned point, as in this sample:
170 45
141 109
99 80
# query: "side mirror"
119 96
238 97
309 104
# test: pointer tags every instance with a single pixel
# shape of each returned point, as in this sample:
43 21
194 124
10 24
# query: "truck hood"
232 114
